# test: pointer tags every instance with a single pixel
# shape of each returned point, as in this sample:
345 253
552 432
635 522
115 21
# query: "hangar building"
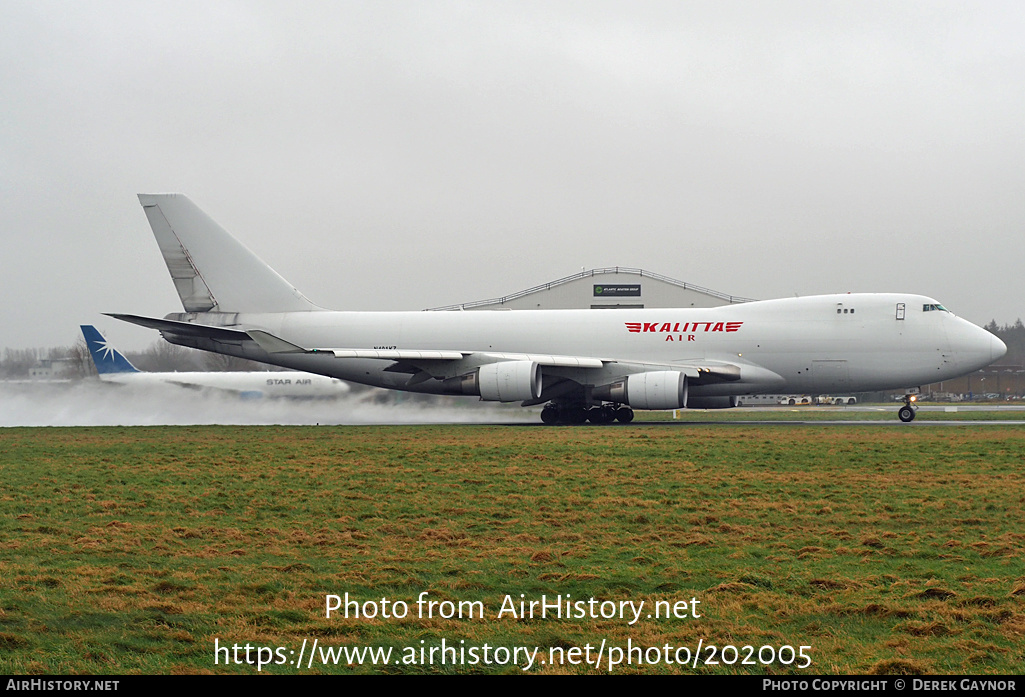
614 287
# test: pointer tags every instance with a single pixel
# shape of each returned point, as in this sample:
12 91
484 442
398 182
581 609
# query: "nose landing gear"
908 411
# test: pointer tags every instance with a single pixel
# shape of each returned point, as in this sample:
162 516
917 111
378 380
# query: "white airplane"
595 365
112 366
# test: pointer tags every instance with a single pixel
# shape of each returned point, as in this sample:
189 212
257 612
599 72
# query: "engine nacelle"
661 389
506 381
509 381
727 402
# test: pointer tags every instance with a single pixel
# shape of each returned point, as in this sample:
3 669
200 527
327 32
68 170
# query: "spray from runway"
93 403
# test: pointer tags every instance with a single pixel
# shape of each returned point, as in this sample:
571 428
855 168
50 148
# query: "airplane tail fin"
212 271
106 358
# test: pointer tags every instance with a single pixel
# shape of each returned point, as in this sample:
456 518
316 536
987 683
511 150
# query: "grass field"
885 549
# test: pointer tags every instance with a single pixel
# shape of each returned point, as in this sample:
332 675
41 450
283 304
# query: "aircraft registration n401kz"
596 365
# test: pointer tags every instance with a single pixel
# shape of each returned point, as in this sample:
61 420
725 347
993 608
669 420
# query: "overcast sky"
403 155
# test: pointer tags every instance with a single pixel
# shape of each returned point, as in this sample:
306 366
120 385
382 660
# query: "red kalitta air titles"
679 329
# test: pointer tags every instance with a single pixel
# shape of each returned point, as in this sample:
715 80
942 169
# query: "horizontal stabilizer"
183 328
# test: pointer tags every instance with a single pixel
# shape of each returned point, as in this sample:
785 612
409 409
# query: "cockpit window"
932 307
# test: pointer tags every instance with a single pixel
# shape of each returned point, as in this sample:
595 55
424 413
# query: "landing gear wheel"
601 415
906 413
563 414
576 413
624 415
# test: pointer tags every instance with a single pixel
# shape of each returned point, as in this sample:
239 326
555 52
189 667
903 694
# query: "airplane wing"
443 364
426 364
272 344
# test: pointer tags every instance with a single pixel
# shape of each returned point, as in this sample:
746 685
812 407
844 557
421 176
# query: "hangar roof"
611 287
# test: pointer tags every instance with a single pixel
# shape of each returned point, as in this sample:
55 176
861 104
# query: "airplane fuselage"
851 342
263 383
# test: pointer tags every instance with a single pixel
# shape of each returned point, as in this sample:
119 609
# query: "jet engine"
505 381
661 389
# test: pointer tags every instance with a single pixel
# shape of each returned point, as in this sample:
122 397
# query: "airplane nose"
997 348
974 347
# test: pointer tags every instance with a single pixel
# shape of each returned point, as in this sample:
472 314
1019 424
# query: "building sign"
615 291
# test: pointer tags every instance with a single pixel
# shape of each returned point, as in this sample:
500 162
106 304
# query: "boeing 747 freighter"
596 365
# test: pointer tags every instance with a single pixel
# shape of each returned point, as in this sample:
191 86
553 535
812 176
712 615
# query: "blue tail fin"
107 358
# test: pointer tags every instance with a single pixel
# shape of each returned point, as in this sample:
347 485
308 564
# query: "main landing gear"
556 413
908 411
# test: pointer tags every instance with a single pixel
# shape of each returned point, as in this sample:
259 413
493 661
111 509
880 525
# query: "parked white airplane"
112 366
586 364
